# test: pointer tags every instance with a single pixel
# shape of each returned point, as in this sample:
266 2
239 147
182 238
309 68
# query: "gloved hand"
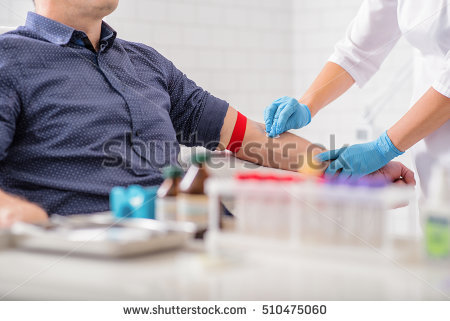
362 159
285 113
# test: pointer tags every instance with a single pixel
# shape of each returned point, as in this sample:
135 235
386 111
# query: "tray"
101 236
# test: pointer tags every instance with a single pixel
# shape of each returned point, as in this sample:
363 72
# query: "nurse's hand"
360 160
284 114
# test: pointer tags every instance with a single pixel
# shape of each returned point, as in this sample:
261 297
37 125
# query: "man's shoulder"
141 49
15 47
16 41
8 39
11 46
135 45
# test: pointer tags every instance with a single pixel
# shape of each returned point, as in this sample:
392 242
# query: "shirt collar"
61 34
108 35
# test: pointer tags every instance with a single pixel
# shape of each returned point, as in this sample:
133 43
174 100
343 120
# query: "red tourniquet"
238 134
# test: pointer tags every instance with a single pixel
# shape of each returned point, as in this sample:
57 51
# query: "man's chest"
83 95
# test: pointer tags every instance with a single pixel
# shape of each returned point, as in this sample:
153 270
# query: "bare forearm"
288 152
330 84
426 116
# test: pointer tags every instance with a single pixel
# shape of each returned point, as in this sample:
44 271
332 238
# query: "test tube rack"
290 215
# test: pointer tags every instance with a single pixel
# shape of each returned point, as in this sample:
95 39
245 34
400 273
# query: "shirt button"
138 132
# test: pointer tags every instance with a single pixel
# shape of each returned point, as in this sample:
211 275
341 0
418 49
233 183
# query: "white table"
189 274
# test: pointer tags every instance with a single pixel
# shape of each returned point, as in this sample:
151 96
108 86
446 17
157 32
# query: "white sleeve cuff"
359 77
443 89
442 84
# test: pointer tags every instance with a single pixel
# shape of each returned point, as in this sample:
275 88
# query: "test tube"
244 205
270 195
312 212
376 211
254 207
286 196
332 209
339 196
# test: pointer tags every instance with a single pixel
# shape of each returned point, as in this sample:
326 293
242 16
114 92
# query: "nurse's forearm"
330 84
426 116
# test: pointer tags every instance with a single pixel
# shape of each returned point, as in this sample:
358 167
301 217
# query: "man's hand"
397 173
13 209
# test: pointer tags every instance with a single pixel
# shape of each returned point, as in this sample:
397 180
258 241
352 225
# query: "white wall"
14 12
240 50
250 52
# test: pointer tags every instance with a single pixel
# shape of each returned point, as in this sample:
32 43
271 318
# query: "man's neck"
91 27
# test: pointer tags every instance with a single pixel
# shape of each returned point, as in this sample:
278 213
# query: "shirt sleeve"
442 84
9 112
197 116
369 39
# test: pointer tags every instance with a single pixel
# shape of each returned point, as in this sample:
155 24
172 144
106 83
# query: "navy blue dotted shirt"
75 123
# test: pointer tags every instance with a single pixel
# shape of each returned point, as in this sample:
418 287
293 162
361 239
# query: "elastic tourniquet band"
238 134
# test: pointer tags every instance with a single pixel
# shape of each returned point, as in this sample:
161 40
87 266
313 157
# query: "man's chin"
103 8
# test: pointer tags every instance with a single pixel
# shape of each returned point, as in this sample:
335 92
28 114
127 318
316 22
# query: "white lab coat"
373 33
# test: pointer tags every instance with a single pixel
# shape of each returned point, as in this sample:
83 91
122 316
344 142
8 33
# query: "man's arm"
288 152
291 152
14 209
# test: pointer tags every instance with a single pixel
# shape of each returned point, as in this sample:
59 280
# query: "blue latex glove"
285 113
362 159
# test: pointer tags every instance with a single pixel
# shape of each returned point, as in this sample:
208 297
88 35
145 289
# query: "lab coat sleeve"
369 39
442 84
